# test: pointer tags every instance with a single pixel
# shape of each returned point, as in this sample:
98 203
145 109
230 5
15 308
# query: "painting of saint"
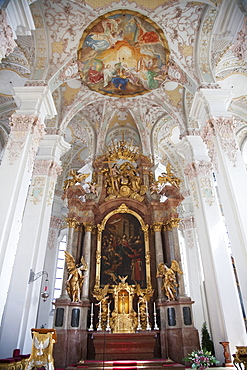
123 251
123 54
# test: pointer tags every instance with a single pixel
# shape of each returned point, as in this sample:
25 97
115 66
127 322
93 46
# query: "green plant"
200 359
206 343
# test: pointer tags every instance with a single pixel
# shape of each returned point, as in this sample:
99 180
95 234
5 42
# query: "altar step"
128 365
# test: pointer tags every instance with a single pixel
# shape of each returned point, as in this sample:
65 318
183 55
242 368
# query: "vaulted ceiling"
203 38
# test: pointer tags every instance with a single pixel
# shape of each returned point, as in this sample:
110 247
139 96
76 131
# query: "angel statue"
76 278
169 278
76 178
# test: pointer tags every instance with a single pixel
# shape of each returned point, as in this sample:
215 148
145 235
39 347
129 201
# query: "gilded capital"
157 226
173 222
88 226
72 222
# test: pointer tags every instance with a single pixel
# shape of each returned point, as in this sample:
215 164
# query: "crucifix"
123 301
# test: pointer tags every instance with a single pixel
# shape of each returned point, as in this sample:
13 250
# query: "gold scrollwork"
147 258
123 181
76 178
169 177
98 257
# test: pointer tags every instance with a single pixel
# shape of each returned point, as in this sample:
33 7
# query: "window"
60 267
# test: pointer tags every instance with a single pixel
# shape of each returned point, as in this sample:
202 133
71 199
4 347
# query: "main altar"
123 294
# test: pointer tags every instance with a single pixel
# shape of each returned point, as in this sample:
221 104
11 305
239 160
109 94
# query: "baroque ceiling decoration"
123 53
161 52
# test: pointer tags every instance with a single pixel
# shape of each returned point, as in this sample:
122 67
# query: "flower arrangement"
201 359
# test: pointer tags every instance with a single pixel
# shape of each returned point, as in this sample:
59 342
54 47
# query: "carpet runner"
128 365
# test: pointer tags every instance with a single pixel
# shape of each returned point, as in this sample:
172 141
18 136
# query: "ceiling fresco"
124 45
123 54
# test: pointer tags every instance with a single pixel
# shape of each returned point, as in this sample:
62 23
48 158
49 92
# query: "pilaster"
214 251
188 236
27 131
231 175
31 248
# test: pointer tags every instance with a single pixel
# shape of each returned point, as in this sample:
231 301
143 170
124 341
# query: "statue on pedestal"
76 278
169 278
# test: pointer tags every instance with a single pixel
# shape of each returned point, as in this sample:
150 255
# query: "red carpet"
124 365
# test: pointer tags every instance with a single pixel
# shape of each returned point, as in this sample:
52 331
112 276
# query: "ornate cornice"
47 168
240 47
198 168
7 43
208 134
187 223
21 126
224 129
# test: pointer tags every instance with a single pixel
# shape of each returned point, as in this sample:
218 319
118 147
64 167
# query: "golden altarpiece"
123 294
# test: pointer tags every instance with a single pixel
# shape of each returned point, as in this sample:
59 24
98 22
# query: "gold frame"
145 227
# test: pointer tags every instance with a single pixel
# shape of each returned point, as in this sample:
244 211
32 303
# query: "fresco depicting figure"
123 54
123 251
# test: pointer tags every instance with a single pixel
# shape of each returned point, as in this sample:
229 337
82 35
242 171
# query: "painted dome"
123 54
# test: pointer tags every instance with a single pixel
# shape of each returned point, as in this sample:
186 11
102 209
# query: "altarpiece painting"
123 249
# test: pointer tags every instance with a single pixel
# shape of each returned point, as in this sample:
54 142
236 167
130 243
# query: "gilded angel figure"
75 278
169 278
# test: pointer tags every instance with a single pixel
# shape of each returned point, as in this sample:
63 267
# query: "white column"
87 254
27 130
157 227
231 178
193 272
45 316
230 171
22 301
226 320
72 224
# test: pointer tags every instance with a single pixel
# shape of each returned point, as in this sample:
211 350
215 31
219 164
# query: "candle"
147 306
154 308
92 308
108 307
138 307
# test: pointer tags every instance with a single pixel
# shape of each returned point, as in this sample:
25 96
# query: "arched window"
60 266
